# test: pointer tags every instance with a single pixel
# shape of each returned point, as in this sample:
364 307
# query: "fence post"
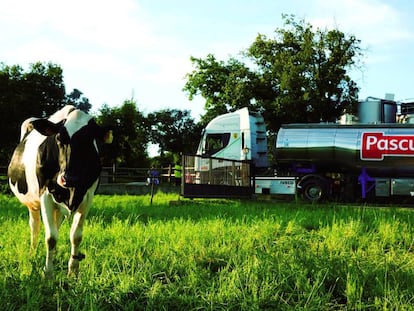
169 173
233 174
183 173
113 172
210 171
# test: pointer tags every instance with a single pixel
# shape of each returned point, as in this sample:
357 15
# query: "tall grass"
216 255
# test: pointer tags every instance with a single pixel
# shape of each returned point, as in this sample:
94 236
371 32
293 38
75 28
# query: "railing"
215 177
121 174
135 174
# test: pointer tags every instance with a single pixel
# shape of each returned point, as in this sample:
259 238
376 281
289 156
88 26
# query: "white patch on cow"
63 209
31 198
76 120
28 199
61 114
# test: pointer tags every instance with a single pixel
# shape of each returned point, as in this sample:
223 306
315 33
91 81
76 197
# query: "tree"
298 76
76 99
225 86
37 92
130 130
174 131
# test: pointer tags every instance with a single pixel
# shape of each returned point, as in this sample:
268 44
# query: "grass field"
216 255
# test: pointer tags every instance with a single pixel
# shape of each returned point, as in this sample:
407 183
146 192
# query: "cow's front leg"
48 207
76 238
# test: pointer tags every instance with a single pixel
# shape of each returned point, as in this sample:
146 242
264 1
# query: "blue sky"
117 50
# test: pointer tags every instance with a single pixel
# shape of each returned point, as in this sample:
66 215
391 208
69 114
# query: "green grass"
216 255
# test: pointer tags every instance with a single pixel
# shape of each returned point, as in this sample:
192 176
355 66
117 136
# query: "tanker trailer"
347 160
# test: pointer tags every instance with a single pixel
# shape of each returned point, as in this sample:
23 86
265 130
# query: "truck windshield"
216 142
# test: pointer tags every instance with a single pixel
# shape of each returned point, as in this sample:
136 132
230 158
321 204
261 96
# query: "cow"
54 171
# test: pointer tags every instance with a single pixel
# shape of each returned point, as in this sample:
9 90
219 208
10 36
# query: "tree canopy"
77 99
131 134
37 92
300 75
40 91
174 131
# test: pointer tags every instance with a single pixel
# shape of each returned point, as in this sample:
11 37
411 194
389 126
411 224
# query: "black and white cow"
54 171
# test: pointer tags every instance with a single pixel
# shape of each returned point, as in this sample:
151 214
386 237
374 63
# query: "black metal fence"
201 177
215 177
116 174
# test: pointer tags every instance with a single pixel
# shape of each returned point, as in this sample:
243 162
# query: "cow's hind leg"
76 239
48 207
34 222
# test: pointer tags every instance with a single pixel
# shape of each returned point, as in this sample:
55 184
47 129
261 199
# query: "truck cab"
238 135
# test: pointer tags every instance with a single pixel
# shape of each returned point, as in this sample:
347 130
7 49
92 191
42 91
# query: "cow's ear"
108 136
47 128
101 133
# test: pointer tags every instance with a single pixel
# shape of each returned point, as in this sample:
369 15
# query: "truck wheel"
313 190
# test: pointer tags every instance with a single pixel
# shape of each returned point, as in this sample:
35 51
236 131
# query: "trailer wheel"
313 189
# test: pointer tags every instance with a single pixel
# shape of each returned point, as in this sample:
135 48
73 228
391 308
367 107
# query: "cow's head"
77 160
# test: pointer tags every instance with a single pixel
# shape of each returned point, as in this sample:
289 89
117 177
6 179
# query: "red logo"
375 146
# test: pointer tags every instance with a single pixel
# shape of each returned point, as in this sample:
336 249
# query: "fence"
201 178
133 174
122 174
215 177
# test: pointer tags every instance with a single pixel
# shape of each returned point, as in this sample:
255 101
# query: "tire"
314 190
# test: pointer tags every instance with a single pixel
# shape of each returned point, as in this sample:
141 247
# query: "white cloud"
115 26
374 22
111 49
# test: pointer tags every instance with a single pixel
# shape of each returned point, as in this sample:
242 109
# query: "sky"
113 51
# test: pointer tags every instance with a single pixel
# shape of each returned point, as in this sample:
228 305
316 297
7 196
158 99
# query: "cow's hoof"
73 268
73 274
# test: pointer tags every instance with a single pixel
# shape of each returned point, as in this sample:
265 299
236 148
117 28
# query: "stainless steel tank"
383 149
374 110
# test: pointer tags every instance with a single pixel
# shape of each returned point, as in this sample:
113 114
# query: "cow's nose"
63 180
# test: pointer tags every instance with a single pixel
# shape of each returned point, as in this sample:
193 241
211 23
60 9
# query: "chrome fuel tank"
383 149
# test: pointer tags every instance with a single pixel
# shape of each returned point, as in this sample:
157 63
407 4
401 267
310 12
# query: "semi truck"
368 156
